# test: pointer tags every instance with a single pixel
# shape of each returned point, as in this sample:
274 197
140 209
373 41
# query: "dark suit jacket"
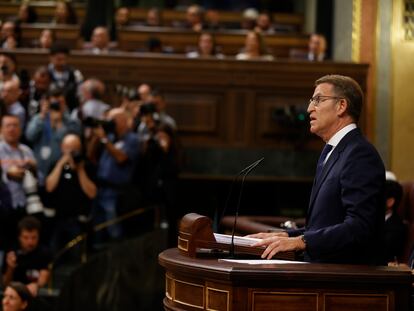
345 220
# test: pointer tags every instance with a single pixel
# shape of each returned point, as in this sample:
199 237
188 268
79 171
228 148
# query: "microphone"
218 220
245 172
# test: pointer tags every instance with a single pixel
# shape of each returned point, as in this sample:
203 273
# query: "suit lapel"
333 158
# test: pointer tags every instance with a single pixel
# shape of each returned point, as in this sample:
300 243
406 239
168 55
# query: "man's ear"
342 107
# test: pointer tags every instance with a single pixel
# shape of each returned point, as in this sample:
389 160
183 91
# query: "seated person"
213 20
206 48
7 69
65 14
70 190
249 18
10 35
153 18
395 230
46 39
254 48
194 18
100 41
264 24
122 17
27 14
16 297
316 49
28 262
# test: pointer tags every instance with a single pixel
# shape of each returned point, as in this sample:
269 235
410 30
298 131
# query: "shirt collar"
334 141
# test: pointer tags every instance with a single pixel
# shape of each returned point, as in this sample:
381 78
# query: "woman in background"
254 48
65 14
206 47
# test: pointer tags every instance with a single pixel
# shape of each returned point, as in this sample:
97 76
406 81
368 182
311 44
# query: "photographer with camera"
158 167
71 189
116 163
17 163
46 130
28 261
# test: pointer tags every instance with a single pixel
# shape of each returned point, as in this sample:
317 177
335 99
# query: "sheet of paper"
263 261
238 240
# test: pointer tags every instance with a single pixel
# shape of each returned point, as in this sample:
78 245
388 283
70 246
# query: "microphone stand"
247 172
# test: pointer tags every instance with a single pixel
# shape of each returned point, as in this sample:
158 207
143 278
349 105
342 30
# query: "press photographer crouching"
115 147
71 189
158 166
28 261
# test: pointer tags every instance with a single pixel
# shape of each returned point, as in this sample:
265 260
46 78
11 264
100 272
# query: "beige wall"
402 99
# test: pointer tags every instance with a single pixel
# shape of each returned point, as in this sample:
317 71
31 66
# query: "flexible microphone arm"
249 167
247 172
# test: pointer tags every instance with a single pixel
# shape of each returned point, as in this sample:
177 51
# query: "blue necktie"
321 160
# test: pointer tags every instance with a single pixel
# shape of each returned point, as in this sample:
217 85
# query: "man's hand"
33 288
276 244
11 260
265 235
15 172
99 132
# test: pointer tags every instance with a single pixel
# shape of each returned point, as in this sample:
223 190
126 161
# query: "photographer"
71 190
28 262
46 130
158 166
115 164
17 161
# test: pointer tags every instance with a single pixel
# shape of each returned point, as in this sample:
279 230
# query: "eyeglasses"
316 100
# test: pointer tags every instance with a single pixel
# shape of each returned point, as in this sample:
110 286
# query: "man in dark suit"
345 220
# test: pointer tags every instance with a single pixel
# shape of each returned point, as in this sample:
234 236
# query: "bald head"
71 143
121 119
100 37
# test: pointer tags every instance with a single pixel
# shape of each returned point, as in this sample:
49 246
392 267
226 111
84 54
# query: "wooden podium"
211 284
200 283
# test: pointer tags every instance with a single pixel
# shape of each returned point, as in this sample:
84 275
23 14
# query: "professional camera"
108 126
77 157
55 106
33 203
5 69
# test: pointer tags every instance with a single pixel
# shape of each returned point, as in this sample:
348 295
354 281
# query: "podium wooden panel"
210 284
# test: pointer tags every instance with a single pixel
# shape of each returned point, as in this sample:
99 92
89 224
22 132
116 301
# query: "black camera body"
77 157
108 126
5 69
54 105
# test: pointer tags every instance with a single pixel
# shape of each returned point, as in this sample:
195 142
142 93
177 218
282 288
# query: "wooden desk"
230 41
207 284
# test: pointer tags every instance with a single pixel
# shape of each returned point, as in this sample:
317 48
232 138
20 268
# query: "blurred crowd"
70 160
103 39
